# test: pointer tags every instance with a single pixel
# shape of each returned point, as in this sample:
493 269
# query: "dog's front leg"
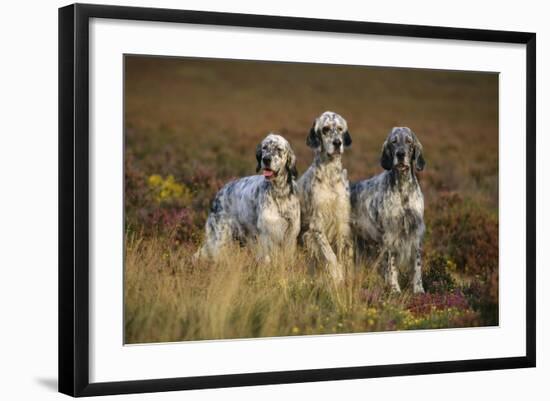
391 273
319 246
344 249
265 250
271 237
418 288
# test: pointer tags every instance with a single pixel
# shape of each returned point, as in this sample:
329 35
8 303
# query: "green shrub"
437 277
464 231
482 294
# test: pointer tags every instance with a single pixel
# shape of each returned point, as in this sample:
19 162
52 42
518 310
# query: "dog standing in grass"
261 208
388 209
324 196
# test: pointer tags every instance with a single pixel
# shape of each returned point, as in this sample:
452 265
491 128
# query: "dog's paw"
336 272
418 289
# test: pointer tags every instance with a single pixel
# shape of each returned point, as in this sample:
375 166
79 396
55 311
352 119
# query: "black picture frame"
74 198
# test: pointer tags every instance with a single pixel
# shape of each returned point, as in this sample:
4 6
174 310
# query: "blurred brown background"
182 113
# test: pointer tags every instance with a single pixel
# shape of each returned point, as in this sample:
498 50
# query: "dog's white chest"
398 204
328 195
281 218
331 203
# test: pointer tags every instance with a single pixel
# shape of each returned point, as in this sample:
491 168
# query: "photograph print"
267 199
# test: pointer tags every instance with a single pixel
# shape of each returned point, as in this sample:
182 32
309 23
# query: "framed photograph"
251 199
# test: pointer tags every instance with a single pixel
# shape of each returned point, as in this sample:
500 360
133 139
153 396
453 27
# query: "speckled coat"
324 196
388 209
260 209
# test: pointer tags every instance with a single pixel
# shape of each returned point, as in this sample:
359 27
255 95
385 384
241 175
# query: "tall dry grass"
170 297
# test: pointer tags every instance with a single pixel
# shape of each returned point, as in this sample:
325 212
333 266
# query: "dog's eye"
394 139
409 140
326 130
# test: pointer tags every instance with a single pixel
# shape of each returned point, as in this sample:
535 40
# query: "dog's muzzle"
402 167
268 173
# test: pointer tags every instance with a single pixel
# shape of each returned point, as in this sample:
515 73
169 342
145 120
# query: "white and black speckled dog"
324 196
389 208
263 208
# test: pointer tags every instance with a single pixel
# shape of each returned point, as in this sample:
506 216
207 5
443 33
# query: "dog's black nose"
337 142
266 159
400 154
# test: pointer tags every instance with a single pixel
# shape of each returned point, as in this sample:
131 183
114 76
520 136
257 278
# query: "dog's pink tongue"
268 173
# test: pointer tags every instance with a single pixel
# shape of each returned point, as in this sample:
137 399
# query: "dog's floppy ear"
347 139
259 157
291 165
386 160
418 156
312 139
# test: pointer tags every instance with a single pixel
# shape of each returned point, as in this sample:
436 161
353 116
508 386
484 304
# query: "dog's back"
366 207
237 204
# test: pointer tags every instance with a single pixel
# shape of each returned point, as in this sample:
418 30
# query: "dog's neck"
329 167
402 181
281 186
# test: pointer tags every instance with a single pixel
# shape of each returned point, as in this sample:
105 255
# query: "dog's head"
402 151
276 158
329 135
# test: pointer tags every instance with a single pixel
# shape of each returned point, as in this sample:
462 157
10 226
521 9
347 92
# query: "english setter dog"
264 208
324 196
388 209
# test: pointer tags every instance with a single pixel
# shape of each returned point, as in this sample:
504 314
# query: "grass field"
191 125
